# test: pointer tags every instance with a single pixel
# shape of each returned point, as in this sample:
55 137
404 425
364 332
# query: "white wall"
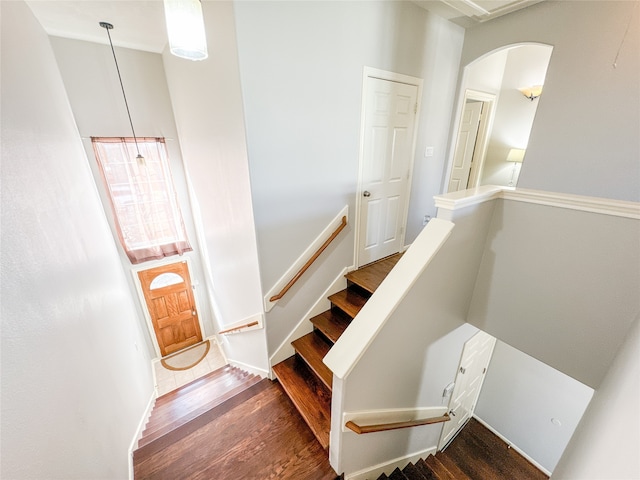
554 277
526 66
532 405
584 138
76 378
207 102
93 88
607 440
301 66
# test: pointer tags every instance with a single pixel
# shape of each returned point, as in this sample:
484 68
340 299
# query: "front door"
465 146
387 152
474 362
171 306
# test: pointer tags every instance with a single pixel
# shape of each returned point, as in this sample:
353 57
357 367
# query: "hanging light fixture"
185 29
107 26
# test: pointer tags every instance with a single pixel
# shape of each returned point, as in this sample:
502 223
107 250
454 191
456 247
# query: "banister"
239 327
313 258
360 429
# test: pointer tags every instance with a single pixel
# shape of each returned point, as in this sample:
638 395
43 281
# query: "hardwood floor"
262 437
482 455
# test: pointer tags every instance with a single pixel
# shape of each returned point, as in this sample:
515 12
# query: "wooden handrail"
240 327
306 266
392 426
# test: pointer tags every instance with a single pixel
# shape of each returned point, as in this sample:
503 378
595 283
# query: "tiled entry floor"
168 380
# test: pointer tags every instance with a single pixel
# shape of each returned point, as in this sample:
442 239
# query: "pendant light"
107 26
185 29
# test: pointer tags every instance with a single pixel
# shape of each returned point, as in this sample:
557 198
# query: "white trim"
143 303
606 206
490 101
388 467
302 259
370 72
261 372
391 415
304 326
140 429
512 445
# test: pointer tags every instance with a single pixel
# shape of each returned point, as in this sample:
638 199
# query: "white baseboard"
304 326
388 467
512 445
261 372
139 430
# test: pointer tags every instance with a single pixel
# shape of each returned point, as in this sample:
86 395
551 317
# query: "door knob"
366 193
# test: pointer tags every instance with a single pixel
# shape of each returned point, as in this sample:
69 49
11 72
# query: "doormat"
186 359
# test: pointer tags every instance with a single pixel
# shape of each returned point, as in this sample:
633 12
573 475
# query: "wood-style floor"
481 455
260 438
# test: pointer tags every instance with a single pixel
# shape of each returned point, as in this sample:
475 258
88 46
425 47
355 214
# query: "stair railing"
313 258
238 328
381 427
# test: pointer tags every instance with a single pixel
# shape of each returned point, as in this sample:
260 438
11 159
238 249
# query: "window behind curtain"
143 199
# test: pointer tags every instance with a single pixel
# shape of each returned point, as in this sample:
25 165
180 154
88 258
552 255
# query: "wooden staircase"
173 412
303 376
438 467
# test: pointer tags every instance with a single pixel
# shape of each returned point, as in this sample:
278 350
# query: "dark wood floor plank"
262 438
369 277
481 454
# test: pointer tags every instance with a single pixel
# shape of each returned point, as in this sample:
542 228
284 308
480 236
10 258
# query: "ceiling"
140 24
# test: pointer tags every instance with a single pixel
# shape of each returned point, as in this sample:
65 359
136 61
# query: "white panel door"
389 119
474 362
465 147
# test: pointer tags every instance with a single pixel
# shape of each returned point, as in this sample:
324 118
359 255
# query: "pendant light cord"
107 27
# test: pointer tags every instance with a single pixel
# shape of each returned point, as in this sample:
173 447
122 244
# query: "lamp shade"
185 29
516 155
531 92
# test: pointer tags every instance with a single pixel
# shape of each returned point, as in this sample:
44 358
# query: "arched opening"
495 116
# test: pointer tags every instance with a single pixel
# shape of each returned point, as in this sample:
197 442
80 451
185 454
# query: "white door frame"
484 130
369 72
143 303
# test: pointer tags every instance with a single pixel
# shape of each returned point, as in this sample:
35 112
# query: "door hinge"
484 370
415 108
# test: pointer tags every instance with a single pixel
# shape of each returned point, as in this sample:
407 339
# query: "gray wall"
301 67
560 285
76 376
535 407
585 136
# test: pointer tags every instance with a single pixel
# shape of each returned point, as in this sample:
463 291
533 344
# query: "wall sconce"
532 92
185 29
516 155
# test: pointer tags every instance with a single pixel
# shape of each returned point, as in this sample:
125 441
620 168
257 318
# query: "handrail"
360 429
240 327
306 266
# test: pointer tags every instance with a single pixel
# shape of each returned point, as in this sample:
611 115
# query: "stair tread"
451 466
425 470
397 475
331 323
308 394
196 384
441 472
312 348
369 277
413 472
181 417
349 301
169 438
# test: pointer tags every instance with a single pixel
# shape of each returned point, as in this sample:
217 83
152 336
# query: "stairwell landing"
303 376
